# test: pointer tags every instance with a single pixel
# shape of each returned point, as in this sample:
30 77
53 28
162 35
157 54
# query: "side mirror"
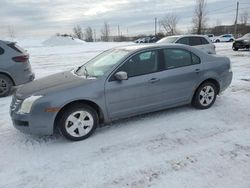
121 75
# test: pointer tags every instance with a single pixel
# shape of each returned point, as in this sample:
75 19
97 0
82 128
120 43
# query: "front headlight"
27 104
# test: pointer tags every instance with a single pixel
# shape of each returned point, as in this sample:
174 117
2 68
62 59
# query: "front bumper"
37 122
26 124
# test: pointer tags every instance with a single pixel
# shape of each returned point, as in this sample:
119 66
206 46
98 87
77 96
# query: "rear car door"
182 72
137 94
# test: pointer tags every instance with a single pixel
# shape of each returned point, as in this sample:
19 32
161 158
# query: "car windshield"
168 40
246 35
102 63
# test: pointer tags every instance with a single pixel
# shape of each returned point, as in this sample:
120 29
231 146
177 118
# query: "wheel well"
215 82
5 74
86 102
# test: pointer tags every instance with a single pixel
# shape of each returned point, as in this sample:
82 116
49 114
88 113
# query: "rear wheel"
231 40
78 122
235 49
205 96
5 85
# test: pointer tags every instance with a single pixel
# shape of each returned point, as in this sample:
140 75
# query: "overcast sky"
47 17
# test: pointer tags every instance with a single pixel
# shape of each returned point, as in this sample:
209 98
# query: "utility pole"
236 19
155 26
118 30
94 35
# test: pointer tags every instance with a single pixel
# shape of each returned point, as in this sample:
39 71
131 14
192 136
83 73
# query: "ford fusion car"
119 83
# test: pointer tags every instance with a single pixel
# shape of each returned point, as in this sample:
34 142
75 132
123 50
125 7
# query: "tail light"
21 59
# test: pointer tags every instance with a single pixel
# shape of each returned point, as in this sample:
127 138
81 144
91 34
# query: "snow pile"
60 41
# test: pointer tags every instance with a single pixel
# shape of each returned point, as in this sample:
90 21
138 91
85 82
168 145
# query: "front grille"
15 104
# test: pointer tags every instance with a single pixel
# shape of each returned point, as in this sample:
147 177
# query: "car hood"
53 83
241 39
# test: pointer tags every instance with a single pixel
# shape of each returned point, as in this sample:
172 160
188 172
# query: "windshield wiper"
86 72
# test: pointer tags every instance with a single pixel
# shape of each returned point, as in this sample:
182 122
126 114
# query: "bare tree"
169 23
200 17
88 34
244 17
105 31
11 33
77 30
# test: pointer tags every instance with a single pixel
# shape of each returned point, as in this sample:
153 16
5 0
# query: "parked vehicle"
119 83
211 37
200 42
224 38
146 40
15 67
242 43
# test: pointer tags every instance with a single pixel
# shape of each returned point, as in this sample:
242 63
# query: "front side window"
175 58
183 40
141 64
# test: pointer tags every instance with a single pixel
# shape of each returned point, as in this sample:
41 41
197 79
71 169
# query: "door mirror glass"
121 76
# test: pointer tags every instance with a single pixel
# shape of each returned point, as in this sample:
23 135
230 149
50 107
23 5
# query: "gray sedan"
119 83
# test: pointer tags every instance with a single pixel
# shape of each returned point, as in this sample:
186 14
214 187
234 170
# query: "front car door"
135 95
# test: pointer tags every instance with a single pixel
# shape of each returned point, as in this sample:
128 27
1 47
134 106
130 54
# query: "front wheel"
205 96
78 122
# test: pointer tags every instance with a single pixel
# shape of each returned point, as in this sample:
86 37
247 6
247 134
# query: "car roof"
187 35
135 47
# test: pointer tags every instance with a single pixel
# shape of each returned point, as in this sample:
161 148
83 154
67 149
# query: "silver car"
119 83
200 42
15 67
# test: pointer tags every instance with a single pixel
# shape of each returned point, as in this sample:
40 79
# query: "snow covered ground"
177 148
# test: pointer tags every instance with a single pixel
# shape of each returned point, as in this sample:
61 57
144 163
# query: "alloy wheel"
206 95
79 123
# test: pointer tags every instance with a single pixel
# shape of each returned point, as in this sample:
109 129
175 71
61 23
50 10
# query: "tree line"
168 22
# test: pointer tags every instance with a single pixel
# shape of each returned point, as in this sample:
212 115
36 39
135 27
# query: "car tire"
217 40
205 95
235 49
231 40
6 85
78 122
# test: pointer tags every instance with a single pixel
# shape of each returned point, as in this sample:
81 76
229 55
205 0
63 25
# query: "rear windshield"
168 40
246 35
15 47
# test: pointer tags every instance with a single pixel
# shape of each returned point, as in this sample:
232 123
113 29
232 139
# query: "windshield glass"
246 35
102 63
168 40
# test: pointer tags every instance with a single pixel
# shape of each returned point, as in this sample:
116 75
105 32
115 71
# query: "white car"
224 38
201 42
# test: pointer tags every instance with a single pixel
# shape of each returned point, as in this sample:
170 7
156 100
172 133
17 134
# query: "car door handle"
197 70
154 80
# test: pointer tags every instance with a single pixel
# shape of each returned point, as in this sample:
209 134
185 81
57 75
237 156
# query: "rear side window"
175 58
15 47
195 41
183 41
1 51
204 41
195 59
